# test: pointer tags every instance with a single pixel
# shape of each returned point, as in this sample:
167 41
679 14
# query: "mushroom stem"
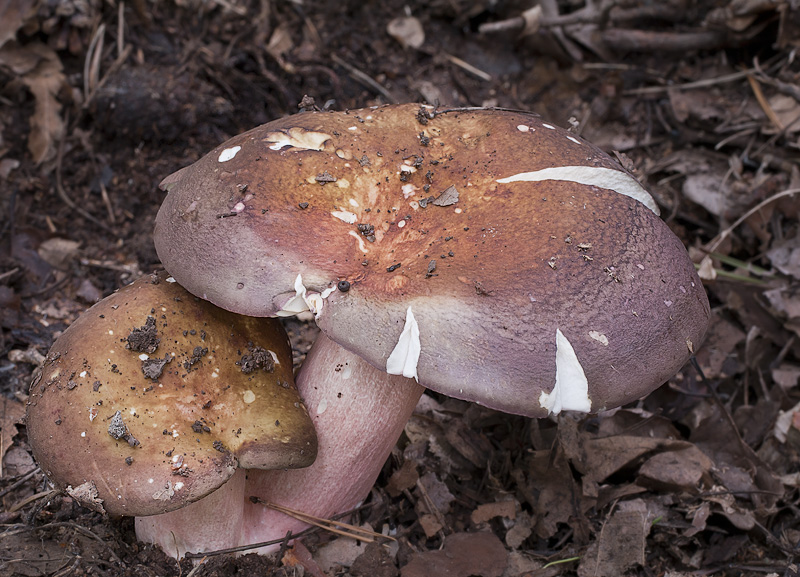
212 523
359 412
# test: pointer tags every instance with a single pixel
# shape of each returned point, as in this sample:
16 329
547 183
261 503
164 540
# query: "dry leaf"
487 511
520 531
13 14
47 128
13 412
40 69
681 470
463 555
402 479
619 547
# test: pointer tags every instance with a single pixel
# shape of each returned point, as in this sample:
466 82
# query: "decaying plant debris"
100 101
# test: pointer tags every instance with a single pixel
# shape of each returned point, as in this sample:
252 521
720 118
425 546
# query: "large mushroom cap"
152 398
494 256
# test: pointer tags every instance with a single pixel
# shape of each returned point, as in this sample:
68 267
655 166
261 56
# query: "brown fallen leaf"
677 470
13 14
620 546
40 70
463 555
487 511
402 479
11 414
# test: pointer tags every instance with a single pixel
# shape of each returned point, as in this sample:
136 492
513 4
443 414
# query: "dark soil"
100 101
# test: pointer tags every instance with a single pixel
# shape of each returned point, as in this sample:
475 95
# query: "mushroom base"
358 411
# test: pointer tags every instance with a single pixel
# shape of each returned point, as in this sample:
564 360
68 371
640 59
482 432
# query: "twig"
762 101
337 527
9 273
733 77
469 67
717 240
19 482
196 569
20 504
364 79
243 548
62 193
91 64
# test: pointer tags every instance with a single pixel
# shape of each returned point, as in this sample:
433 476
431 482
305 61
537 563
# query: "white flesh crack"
571 391
608 178
304 301
405 356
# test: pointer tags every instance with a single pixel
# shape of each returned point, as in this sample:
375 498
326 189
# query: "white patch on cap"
599 337
274 356
523 128
573 139
296 304
608 178
345 216
304 301
405 356
549 126
248 396
408 190
229 153
297 138
571 391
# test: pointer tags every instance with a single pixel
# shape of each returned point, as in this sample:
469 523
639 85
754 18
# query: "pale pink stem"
210 524
358 411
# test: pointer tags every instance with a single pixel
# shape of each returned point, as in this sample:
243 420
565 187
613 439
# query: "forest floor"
99 101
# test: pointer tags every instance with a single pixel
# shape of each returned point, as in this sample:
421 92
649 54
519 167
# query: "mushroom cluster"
484 254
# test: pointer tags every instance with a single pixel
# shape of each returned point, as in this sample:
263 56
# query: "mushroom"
155 400
487 254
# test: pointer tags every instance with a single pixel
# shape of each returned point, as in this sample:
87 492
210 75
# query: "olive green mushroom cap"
493 256
152 398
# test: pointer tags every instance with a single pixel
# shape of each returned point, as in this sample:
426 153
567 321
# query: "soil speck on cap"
197 354
144 339
259 358
152 368
119 430
325 177
200 427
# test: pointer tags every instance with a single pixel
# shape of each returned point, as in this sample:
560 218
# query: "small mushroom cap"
152 398
497 258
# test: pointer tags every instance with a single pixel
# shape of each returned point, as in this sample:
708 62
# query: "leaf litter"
701 477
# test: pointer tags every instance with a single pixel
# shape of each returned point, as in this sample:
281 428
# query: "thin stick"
469 67
19 482
689 85
717 240
62 193
327 524
762 101
364 79
43 495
